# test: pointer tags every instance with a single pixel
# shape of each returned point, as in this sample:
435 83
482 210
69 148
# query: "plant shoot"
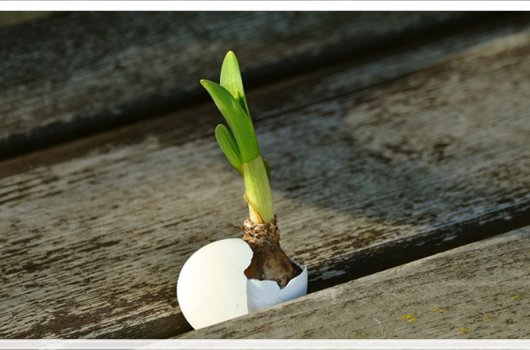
239 144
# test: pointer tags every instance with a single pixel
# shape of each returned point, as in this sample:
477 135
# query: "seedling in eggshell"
231 277
240 146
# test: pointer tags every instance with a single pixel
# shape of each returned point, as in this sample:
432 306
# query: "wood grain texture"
84 72
94 233
476 291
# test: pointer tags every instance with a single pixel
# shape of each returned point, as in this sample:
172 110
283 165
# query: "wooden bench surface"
378 160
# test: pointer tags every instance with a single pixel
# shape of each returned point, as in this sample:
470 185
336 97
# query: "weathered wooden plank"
84 72
476 291
94 234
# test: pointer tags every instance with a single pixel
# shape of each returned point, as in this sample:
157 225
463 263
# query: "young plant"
239 143
231 277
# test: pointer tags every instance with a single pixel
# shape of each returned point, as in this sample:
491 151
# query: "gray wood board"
83 72
476 291
93 233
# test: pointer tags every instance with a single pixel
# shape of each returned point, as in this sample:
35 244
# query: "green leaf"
267 168
240 125
239 142
229 146
231 80
258 192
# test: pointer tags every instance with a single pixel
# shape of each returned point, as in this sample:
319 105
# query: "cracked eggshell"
262 294
212 286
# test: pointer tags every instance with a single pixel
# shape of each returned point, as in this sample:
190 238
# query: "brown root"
269 261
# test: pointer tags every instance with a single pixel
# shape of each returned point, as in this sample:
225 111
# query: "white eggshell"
212 286
262 294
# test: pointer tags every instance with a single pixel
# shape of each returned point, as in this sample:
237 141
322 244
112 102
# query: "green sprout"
238 141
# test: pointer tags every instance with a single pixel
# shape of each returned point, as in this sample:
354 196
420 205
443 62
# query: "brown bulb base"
269 261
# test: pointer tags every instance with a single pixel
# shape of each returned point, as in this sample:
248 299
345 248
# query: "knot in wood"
261 233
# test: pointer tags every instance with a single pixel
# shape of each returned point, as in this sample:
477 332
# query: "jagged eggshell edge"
262 294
